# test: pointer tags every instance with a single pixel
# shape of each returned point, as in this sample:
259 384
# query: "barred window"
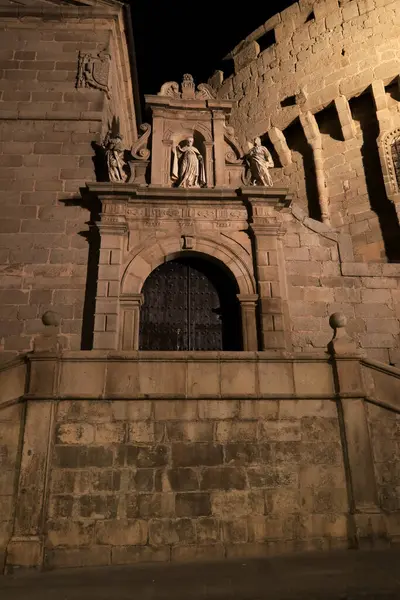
396 159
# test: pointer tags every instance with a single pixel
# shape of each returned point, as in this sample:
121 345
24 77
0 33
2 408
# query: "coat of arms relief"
94 70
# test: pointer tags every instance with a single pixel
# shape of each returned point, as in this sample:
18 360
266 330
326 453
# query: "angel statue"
114 152
259 161
188 166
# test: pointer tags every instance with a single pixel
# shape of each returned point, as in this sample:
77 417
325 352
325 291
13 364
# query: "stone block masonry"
339 62
126 476
47 129
202 480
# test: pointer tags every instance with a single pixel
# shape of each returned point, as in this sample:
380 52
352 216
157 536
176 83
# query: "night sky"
176 37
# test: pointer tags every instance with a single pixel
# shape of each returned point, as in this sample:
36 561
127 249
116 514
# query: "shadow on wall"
364 112
297 142
92 237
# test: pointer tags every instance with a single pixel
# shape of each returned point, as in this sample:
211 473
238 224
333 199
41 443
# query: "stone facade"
112 455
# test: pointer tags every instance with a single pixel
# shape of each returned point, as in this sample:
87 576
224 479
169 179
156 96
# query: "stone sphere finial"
50 318
337 320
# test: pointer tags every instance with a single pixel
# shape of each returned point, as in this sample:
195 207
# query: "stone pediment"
187 90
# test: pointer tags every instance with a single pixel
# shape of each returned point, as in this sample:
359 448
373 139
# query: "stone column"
130 321
265 229
248 305
112 232
366 524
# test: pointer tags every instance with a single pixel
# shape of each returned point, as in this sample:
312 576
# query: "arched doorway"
190 303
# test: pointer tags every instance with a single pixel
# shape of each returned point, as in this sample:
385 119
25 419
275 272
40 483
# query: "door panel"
181 309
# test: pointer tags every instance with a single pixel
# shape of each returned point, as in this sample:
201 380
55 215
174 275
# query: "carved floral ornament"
187 90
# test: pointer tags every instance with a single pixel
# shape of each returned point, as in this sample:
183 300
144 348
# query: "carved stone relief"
93 71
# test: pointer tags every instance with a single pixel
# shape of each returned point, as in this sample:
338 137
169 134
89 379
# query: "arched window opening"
396 159
190 304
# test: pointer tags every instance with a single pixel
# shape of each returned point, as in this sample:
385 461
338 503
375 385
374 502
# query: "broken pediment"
187 90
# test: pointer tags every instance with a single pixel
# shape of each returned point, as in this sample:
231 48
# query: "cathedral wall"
47 128
337 61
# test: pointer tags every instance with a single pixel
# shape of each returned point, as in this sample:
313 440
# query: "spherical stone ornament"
50 318
337 320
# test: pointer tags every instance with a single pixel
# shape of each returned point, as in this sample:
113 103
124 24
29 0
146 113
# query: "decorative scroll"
234 154
171 89
93 71
205 92
140 150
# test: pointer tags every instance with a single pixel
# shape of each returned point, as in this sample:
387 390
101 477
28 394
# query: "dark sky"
173 37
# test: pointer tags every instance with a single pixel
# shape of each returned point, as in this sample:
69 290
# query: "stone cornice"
277 197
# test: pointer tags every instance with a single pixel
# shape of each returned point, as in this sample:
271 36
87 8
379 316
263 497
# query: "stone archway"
190 303
154 254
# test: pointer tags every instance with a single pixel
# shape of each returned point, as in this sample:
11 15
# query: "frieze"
207 214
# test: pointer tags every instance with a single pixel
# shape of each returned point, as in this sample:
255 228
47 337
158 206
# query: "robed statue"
188 166
114 152
259 161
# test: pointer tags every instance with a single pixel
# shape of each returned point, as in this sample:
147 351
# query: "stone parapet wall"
131 457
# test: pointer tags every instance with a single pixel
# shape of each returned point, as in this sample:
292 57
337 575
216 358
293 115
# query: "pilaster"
266 227
248 306
106 325
130 321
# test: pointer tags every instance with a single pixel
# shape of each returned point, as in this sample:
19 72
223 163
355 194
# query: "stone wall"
47 127
189 479
323 276
336 61
128 457
385 434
